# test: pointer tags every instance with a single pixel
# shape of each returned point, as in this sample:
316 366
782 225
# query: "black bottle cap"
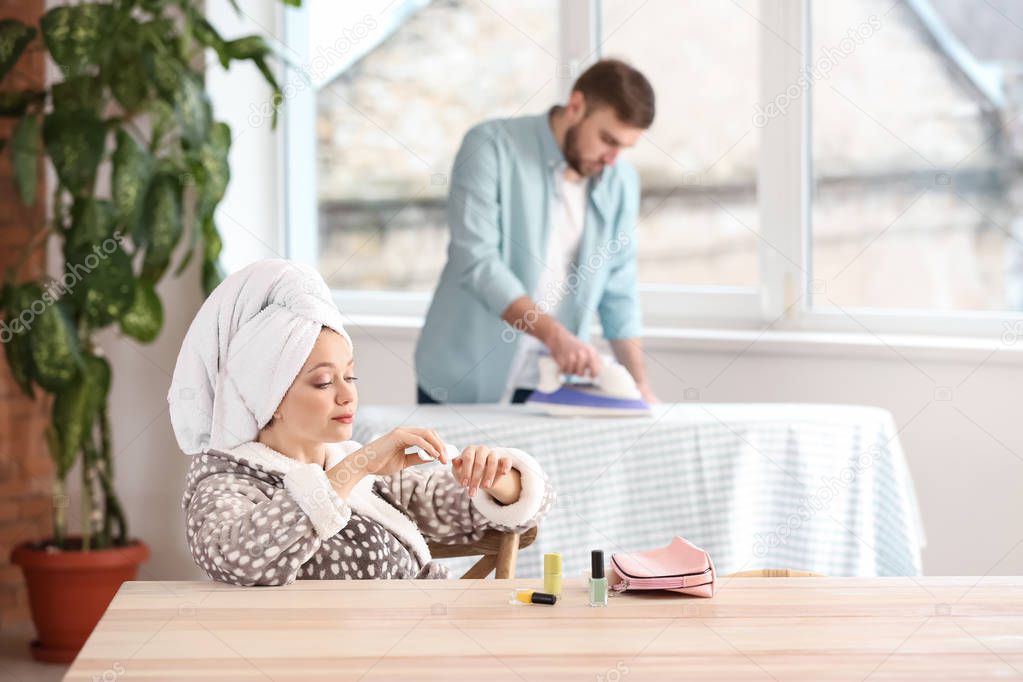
597 563
543 598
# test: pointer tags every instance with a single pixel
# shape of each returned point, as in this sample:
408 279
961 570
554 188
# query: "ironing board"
823 488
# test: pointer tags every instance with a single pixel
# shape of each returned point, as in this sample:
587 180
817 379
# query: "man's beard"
574 159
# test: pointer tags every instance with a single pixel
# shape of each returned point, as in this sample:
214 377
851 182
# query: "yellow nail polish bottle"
533 597
552 573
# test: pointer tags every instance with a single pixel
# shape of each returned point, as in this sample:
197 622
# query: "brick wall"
26 471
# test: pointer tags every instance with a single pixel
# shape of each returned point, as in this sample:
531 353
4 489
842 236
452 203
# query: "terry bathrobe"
255 516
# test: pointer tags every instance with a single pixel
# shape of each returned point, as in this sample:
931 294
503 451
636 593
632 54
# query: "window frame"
782 301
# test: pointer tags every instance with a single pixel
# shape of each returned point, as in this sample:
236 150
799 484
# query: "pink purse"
680 567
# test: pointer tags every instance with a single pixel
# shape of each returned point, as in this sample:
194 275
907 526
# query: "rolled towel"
243 351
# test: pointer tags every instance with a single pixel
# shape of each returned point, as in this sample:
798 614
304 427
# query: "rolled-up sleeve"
619 307
474 219
535 499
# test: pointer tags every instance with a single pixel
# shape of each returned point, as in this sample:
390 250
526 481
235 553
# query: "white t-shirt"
568 216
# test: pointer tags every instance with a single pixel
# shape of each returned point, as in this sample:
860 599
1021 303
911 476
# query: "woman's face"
320 405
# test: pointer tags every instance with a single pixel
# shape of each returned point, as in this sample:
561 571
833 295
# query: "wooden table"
948 628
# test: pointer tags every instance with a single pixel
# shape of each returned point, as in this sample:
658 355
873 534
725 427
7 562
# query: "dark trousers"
423 398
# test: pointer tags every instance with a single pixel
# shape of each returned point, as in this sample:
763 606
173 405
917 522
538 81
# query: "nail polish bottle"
533 597
552 573
598 583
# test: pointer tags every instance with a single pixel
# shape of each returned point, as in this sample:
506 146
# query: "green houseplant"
130 100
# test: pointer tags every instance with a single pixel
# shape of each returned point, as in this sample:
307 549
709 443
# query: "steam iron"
612 394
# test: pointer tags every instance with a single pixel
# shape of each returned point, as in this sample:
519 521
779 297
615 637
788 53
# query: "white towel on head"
244 349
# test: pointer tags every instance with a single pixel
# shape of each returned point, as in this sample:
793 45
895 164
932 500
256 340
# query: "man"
542 216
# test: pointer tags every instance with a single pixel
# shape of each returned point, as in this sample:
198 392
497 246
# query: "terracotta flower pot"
69 590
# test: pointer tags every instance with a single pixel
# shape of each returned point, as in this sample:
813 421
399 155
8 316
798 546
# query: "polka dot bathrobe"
255 516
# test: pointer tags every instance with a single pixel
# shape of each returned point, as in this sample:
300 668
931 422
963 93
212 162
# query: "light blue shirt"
499 215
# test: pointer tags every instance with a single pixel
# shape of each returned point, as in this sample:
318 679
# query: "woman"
263 397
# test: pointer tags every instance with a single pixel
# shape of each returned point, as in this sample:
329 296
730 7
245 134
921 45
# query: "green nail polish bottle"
598 583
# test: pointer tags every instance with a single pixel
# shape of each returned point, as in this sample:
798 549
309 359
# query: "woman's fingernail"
489 483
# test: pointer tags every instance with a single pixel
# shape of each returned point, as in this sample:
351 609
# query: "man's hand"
648 394
629 352
574 356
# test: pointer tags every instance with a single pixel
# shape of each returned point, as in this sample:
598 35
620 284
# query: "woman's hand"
386 455
481 467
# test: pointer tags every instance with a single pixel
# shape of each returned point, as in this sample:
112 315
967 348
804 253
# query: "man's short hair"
614 83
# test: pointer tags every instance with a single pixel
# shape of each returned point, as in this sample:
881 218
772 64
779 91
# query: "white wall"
148 466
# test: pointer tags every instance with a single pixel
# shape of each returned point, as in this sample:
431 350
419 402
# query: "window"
813 165
395 85
391 111
698 162
916 156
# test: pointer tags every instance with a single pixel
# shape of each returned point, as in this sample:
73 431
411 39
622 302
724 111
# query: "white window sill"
896 347
844 344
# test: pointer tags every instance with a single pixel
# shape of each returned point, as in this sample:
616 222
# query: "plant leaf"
14 38
162 218
75 409
16 342
130 85
76 35
92 221
74 142
193 111
108 288
132 169
213 172
125 73
161 117
144 319
277 99
56 355
165 73
208 36
53 443
212 169
212 273
247 47
78 92
25 158
155 6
